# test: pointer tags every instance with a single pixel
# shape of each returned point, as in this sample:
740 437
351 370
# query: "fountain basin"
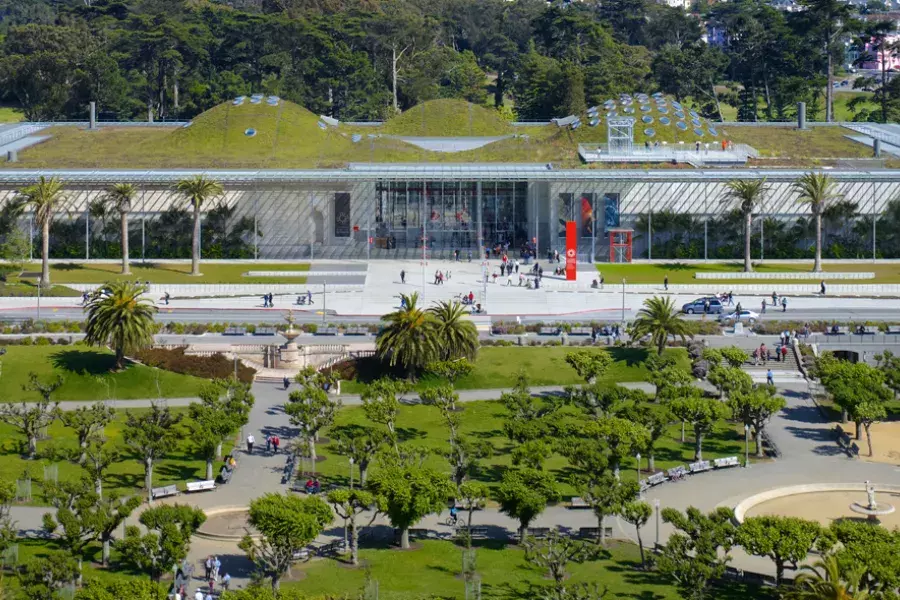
823 502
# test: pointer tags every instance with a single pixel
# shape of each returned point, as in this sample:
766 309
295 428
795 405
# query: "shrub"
206 367
43 341
27 341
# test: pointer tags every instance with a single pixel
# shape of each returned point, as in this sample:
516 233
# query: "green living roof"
287 136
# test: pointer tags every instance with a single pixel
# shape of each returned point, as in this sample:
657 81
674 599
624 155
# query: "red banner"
571 249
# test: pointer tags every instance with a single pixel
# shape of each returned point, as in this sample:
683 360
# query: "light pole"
638 459
747 446
623 301
324 297
351 472
39 301
656 506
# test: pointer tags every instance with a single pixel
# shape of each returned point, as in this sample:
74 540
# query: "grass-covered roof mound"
448 118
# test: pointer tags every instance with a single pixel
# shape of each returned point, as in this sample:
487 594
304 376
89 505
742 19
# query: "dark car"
715 307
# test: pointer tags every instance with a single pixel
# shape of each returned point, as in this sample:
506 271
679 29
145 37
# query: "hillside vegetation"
446 118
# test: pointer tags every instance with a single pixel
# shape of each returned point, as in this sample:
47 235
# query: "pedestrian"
774 299
822 287
250 441
470 255
276 441
770 377
706 306
402 276
265 301
448 275
516 265
217 564
666 282
199 595
456 255
783 304
226 581
502 269
209 595
287 383
166 297
268 443
509 280
737 308
207 567
210 585
309 297
784 353
730 298
763 311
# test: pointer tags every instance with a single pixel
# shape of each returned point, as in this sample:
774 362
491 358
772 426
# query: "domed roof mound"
448 118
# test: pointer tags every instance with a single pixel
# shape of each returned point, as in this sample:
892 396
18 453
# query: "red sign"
356 228
571 249
371 240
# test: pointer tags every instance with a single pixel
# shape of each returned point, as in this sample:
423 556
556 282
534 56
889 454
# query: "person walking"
198 595
276 441
784 353
456 255
770 377
502 269
287 383
250 441
309 299
166 297
737 308
268 443
783 304
730 298
763 310
226 581
822 287
402 276
271 300
666 282
516 265
706 306
217 564
207 567
470 255
774 299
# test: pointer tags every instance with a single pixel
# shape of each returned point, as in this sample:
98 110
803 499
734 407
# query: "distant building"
872 58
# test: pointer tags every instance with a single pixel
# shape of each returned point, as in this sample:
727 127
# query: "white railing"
785 275
20 132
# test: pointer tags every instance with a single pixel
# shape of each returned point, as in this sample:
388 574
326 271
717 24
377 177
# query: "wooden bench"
581 331
327 331
592 533
578 502
842 330
235 331
676 472
699 466
301 554
538 533
162 492
265 331
868 331
330 549
656 479
200 486
893 329
854 450
356 330
549 331
479 533
728 461
419 533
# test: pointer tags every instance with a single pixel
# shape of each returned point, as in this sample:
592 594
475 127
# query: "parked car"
745 316
715 307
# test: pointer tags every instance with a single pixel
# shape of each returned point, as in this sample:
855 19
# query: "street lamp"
747 446
656 506
638 458
351 472
623 301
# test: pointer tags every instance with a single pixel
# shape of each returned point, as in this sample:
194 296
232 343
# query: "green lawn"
29 289
154 272
499 367
483 420
126 474
790 143
10 114
432 571
684 272
87 374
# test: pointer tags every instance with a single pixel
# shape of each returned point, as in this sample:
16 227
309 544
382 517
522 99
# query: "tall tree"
554 553
215 418
380 405
787 541
523 494
119 197
472 495
287 524
637 513
830 20
88 423
310 409
348 505
198 190
755 409
702 414
589 364
747 195
44 198
697 553
358 443
120 315
152 434
31 417
454 331
819 191
659 318
409 336
606 494
169 528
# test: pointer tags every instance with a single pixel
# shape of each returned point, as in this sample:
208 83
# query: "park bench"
538 533
162 492
728 461
592 533
265 331
676 472
479 533
841 330
854 450
581 331
549 331
327 331
578 502
301 554
200 486
356 330
656 479
330 549
235 331
893 329
868 331
643 485
699 466
419 533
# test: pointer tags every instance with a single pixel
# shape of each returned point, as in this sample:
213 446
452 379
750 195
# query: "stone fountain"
289 354
872 509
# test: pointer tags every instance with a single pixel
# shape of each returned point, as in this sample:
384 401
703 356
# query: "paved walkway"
810 455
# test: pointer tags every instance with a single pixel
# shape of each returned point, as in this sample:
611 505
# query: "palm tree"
817 190
830 584
408 336
198 190
119 196
456 335
747 194
660 318
44 197
118 316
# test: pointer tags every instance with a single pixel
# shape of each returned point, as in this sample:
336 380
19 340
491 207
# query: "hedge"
215 366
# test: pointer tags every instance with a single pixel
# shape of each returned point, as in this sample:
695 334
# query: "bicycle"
453 521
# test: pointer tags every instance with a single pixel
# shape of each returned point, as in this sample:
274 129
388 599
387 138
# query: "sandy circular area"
826 507
885 443
228 523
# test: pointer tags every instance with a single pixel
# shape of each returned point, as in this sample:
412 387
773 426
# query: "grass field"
448 117
168 272
789 142
432 571
126 474
9 114
499 367
87 375
684 272
483 420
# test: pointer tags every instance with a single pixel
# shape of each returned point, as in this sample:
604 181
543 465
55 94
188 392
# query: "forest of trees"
365 59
